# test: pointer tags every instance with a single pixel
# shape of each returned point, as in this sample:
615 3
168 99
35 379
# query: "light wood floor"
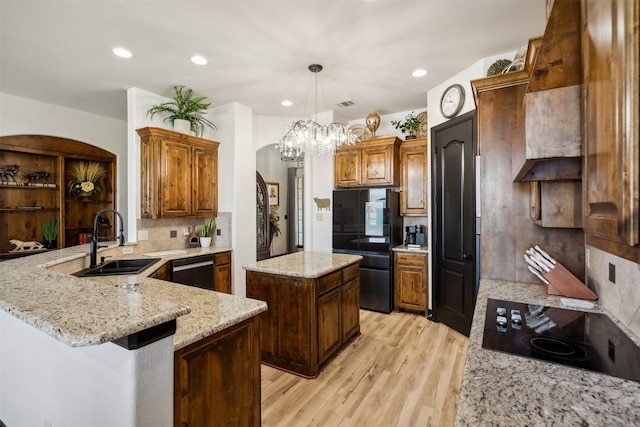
403 370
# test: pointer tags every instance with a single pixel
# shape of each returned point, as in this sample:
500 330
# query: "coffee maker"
415 235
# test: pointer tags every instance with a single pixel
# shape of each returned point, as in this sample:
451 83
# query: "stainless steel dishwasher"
195 271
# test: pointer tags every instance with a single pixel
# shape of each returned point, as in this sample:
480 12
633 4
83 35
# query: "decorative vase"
182 126
50 244
373 122
205 242
85 195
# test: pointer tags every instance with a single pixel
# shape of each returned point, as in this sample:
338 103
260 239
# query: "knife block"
562 282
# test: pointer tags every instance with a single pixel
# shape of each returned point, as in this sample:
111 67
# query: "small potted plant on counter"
184 107
410 124
50 233
205 233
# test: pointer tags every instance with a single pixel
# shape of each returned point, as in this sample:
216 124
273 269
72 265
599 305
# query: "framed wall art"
273 190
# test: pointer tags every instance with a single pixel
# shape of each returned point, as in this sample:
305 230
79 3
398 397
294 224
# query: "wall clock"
452 101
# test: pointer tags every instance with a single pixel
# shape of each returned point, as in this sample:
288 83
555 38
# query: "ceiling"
59 52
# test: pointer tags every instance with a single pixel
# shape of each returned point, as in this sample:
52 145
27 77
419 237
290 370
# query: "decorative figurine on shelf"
9 172
21 246
373 122
35 176
85 179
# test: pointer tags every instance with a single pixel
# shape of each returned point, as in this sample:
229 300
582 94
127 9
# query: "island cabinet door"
217 379
350 309
329 323
262 288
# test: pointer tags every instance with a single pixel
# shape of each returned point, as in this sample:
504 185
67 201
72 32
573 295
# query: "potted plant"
85 177
184 107
205 233
50 233
274 219
410 124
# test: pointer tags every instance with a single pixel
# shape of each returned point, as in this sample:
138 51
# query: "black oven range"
575 338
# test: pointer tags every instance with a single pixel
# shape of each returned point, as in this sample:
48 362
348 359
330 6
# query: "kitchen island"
58 360
507 390
314 307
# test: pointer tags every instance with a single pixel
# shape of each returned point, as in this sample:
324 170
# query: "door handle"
467 257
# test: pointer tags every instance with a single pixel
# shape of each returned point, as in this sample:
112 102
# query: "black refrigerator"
368 223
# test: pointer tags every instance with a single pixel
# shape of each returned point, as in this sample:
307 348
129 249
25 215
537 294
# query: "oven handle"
192 266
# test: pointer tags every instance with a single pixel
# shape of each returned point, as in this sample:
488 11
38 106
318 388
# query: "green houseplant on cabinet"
185 107
411 124
205 233
50 233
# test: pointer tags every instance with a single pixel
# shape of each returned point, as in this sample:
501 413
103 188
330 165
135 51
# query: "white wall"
20 116
46 381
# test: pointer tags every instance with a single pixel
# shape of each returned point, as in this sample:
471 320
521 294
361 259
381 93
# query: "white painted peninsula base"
44 382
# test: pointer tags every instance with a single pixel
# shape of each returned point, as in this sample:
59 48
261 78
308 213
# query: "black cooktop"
581 339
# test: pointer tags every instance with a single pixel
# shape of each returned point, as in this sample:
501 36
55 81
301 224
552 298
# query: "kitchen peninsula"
314 307
60 364
503 389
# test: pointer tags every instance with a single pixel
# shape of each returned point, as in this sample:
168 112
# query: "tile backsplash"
159 232
621 298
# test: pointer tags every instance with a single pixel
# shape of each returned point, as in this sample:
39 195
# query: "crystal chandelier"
307 136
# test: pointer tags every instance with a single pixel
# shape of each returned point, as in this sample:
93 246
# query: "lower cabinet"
217 379
222 272
411 279
308 319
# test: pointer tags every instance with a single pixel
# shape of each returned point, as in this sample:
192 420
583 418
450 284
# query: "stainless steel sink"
118 266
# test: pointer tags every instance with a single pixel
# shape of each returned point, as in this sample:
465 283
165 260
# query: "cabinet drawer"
351 272
222 258
330 281
410 259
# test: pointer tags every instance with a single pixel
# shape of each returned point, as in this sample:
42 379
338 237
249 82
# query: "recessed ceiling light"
286 103
122 52
419 73
200 60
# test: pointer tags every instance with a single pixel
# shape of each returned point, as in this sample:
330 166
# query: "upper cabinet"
552 147
179 174
611 178
414 159
370 163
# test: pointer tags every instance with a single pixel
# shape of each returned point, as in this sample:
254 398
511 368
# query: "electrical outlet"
319 216
612 273
218 232
173 234
143 235
127 250
185 231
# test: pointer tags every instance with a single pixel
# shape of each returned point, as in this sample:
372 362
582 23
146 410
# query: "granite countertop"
90 311
507 390
304 264
404 248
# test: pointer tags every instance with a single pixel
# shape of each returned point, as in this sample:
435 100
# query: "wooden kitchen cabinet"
368 164
309 319
611 177
222 272
411 281
25 204
414 159
204 372
179 174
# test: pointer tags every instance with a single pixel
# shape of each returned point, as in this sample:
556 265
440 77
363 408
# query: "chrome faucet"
93 249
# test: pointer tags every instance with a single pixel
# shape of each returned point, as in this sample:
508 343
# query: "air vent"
348 103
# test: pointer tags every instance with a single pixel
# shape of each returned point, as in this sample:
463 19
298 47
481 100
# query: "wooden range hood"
553 102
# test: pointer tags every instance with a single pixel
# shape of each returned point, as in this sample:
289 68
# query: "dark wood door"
454 254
